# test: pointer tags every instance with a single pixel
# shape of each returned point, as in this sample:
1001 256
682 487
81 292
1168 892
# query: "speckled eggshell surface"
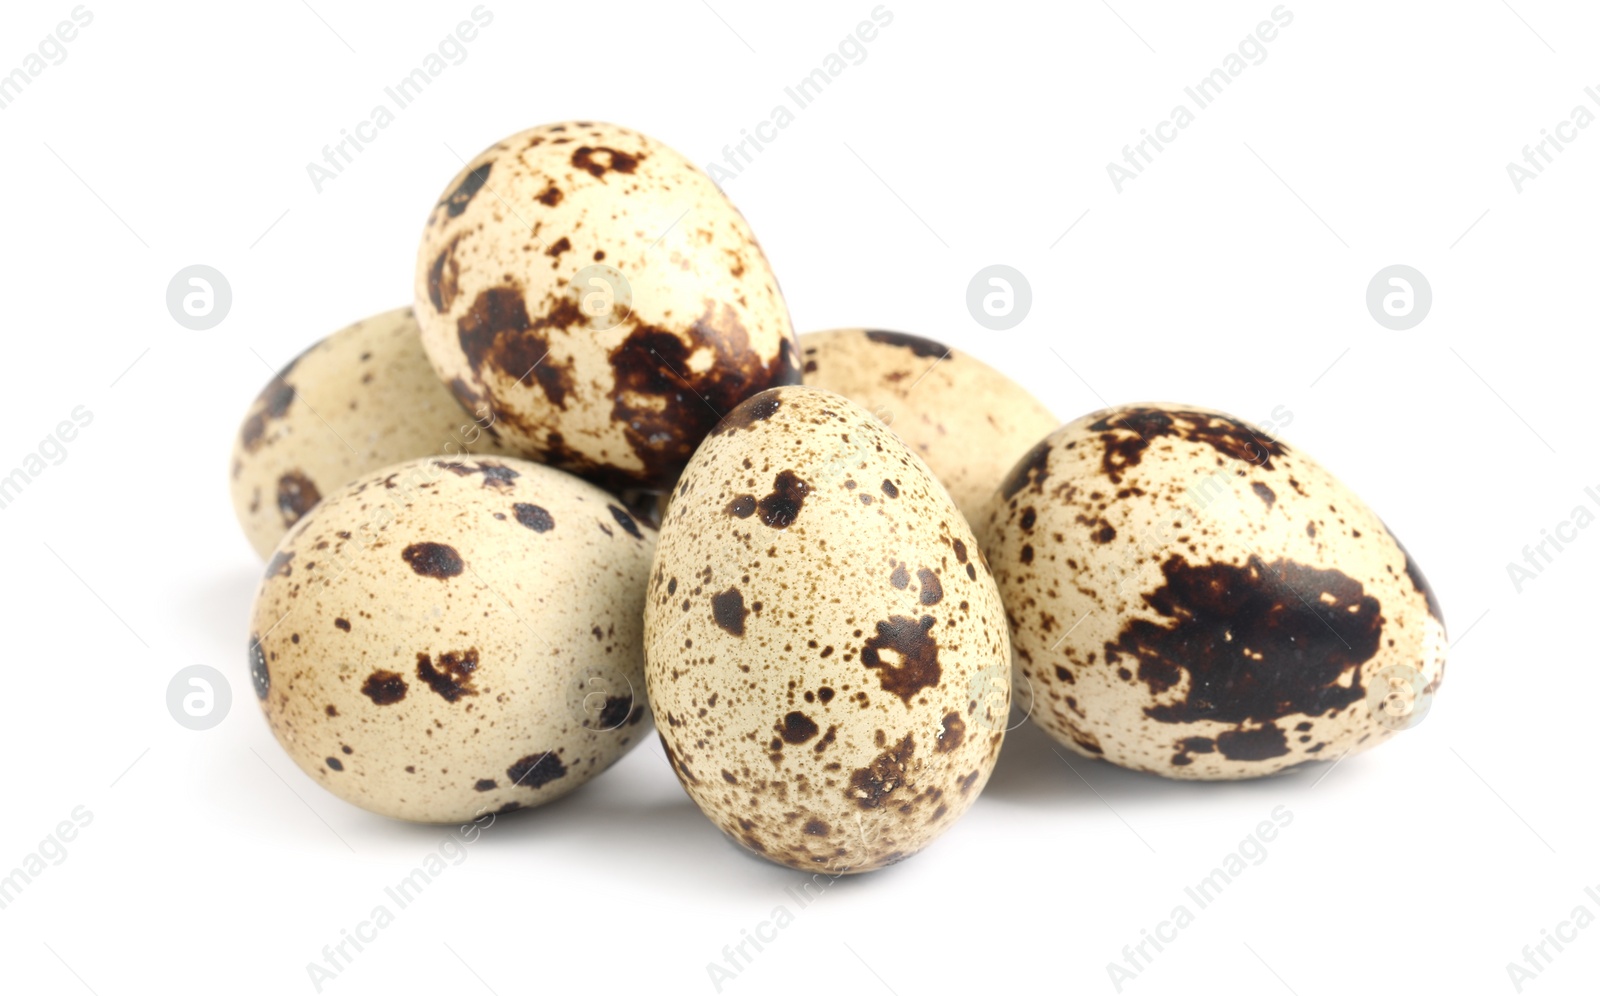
1189 596
826 653
443 639
598 292
363 398
968 421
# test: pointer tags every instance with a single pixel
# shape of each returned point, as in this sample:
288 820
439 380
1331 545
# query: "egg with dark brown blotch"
1192 597
446 638
602 297
363 398
826 653
967 421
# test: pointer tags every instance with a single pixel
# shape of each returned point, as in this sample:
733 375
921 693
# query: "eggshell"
968 421
363 398
446 638
1191 597
599 293
823 642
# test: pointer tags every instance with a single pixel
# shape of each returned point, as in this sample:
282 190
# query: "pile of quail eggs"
589 482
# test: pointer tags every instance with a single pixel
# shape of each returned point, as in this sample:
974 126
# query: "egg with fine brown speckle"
826 653
597 292
445 638
968 421
363 398
1191 597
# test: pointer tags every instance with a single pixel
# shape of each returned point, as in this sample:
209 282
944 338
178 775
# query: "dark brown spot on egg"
889 489
680 768
551 197
900 577
757 409
451 678
433 560
260 676
444 278
598 160
533 517
343 624
918 653
1258 642
815 828
742 507
1192 745
296 496
384 687
666 405
496 332
932 590
334 763
626 521
457 200
796 728
782 507
1127 432
273 402
1031 470
536 770
496 476
870 787
918 345
1260 744
561 245
727 608
1418 581
485 785
1266 494
617 711
953 731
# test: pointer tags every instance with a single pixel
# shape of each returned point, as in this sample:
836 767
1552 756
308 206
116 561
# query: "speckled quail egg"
826 653
1191 597
444 638
968 421
363 398
602 297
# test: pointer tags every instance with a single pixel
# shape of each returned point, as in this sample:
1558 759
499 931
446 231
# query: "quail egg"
444 638
1192 597
363 398
825 650
598 293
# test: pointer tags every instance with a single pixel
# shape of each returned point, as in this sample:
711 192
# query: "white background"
1231 274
